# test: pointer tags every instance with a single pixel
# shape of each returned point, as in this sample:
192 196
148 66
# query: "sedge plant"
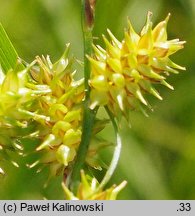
43 101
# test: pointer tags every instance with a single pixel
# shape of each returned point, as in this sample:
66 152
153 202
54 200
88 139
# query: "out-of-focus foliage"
158 157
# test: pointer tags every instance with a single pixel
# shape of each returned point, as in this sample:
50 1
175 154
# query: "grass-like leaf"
8 55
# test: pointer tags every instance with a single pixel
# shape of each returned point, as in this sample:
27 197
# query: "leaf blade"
8 54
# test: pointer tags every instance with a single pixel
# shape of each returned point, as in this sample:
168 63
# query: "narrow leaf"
8 55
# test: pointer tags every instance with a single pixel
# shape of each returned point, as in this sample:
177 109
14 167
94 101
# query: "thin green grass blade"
8 55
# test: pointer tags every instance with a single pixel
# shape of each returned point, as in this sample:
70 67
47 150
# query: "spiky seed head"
88 190
123 72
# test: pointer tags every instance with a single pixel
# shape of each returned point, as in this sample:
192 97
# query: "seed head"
122 73
44 102
88 190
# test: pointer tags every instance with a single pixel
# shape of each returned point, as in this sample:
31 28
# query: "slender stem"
115 157
88 122
116 154
88 115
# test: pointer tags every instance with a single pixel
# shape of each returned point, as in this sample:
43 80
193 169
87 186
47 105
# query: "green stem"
88 115
116 154
115 157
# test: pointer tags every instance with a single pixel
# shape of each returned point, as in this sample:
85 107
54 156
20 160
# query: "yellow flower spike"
65 154
88 190
141 60
48 105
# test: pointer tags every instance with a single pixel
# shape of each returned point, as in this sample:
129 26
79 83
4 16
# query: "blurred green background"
158 156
